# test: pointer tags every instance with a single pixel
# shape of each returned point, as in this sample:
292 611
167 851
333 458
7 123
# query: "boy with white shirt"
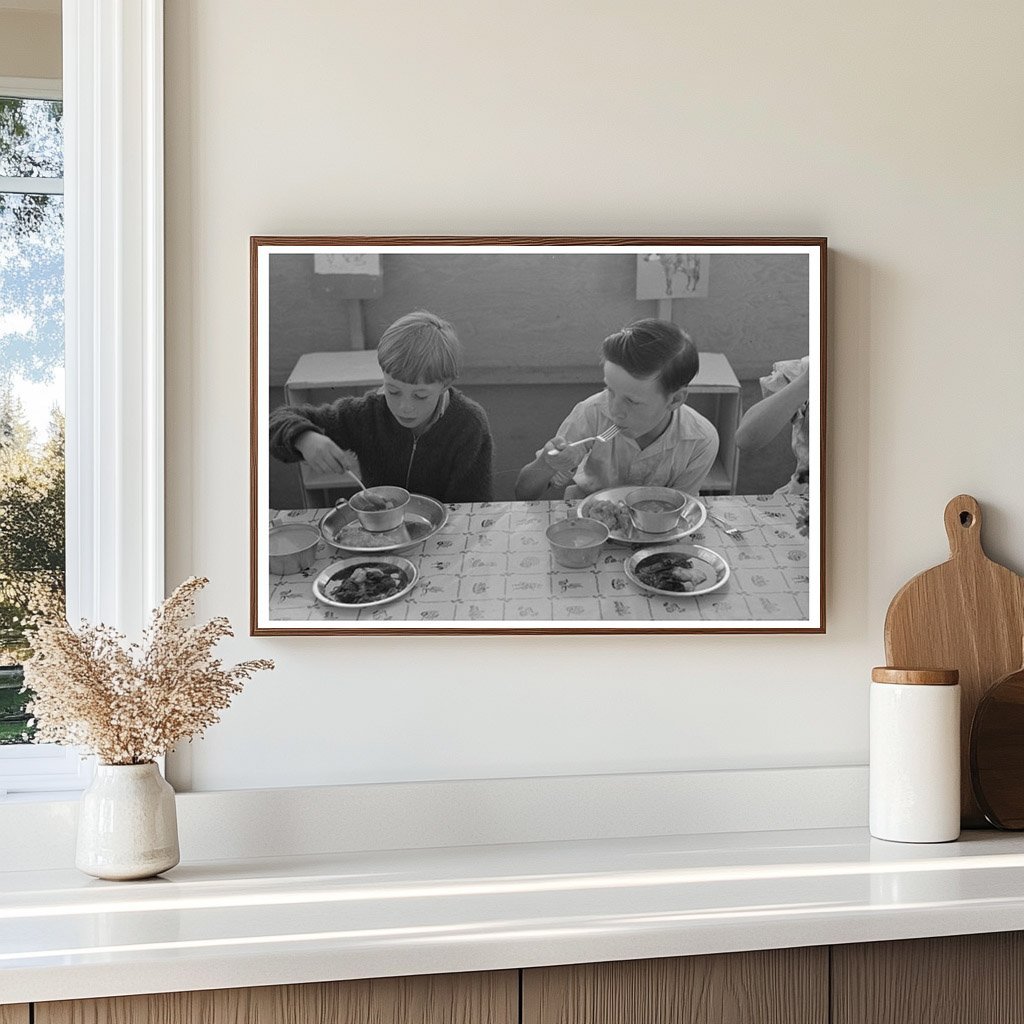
661 441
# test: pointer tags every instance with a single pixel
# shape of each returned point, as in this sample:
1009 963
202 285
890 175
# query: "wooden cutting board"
997 752
967 614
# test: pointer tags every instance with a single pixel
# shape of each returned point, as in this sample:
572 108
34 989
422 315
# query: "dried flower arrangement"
129 704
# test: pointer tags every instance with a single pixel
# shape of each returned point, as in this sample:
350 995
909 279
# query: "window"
31 380
32 545
113 337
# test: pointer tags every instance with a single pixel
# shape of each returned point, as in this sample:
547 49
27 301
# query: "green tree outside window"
31 355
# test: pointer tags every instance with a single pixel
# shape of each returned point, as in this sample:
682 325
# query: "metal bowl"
660 520
576 542
292 547
380 520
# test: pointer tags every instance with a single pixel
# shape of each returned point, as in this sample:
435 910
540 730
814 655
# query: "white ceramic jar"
915 755
127 824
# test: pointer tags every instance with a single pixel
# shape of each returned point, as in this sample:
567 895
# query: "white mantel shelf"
224 924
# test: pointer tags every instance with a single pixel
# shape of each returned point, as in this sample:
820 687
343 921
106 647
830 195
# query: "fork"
729 531
605 435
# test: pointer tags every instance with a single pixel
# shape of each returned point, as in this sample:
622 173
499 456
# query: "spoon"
341 502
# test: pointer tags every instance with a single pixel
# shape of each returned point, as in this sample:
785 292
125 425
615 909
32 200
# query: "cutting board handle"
963 527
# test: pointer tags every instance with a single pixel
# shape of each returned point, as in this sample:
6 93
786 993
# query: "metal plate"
423 518
322 581
692 519
710 560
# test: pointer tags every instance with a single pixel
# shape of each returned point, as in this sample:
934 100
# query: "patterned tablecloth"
491 561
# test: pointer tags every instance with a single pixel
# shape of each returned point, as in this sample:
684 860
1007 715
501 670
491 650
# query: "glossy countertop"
223 924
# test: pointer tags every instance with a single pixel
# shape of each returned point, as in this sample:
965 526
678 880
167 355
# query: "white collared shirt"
681 457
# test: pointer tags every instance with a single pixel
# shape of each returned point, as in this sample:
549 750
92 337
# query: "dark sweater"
450 461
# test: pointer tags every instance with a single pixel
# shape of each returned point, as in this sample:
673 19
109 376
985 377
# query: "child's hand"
323 455
562 457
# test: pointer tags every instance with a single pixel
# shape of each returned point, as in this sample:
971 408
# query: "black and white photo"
537 435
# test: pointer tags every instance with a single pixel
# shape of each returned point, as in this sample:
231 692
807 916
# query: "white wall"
894 129
29 42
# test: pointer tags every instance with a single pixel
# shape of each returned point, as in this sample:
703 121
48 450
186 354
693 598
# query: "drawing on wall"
518 435
671 275
354 264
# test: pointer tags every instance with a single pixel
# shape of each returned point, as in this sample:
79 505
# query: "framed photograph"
537 435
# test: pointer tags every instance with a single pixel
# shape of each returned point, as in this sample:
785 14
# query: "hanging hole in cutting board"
966 519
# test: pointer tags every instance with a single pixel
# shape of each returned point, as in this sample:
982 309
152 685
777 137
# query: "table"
491 561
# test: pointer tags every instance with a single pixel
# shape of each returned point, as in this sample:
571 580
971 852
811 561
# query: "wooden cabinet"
776 986
480 998
962 979
971 979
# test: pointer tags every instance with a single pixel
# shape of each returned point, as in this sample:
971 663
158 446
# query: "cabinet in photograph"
960 979
478 998
14 1014
715 393
775 986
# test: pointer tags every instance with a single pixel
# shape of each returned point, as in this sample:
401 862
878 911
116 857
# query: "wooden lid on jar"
916 676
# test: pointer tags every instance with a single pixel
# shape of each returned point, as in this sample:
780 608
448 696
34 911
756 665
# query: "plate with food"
609 507
365 582
684 570
423 517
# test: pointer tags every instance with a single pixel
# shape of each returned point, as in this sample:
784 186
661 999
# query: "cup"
292 547
655 509
380 520
576 542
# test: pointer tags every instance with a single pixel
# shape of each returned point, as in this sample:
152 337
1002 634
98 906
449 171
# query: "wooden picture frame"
532 315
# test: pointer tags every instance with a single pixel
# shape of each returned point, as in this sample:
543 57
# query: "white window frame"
32 89
114 337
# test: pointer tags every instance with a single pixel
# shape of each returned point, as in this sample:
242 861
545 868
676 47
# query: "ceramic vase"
127 825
